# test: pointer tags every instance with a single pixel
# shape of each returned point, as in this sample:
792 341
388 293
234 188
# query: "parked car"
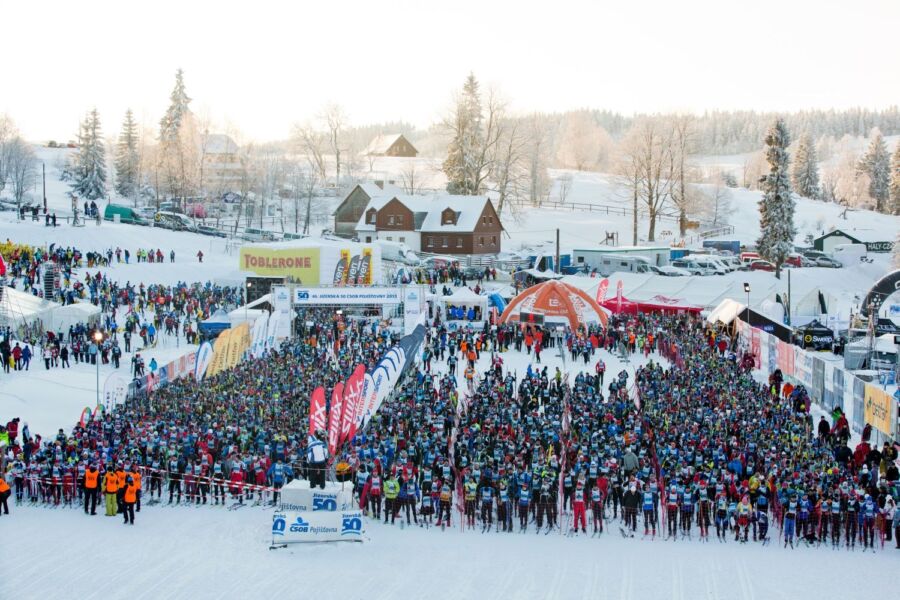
827 261
692 268
761 265
126 214
814 254
207 230
794 260
669 271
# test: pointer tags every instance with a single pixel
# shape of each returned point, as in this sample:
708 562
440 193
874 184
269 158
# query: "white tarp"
297 496
63 317
290 527
18 309
725 312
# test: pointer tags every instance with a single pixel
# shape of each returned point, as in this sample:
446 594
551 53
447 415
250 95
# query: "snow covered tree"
170 124
896 260
805 172
776 208
89 173
466 125
127 158
876 163
895 181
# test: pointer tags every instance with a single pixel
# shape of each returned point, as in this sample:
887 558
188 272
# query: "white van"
848 254
706 262
615 263
720 261
397 252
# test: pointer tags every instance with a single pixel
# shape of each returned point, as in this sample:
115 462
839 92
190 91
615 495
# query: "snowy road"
213 553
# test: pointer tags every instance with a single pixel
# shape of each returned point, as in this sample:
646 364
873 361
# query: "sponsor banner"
364 277
341 269
298 527
334 417
347 295
115 389
300 263
204 358
219 356
367 402
258 335
413 307
879 409
298 497
352 400
317 410
859 397
601 291
755 347
353 270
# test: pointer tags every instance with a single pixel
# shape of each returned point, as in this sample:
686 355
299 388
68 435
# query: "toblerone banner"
300 263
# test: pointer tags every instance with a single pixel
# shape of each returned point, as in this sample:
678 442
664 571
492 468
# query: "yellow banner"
238 343
217 364
300 263
879 409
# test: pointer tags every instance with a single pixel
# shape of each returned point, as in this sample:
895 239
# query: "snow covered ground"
209 552
213 553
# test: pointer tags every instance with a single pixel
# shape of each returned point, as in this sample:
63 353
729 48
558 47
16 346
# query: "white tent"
725 312
18 309
251 311
465 297
63 317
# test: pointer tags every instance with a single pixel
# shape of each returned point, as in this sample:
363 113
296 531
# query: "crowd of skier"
687 442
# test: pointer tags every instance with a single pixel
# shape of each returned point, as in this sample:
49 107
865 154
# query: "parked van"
720 261
175 221
397 252
749 257
623 264
126 214
708 263
258 235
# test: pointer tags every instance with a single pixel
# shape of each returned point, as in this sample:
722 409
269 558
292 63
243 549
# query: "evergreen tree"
776 208
89 173
464 161
895 181
170 124
876 163
127 158
805 171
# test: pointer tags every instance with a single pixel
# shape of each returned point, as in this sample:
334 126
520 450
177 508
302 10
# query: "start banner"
347 295
294 527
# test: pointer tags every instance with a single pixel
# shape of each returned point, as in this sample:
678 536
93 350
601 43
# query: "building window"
444 243
390 219
389 238
368 239
459 242
493 240
372 215
491 220
481 240
401 239
483 220
399 219
430 242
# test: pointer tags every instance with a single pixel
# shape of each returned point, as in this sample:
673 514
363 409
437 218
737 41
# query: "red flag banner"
317 410
334 418
601 291
352 394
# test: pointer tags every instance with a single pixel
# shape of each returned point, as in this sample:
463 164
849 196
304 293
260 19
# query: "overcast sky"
263 65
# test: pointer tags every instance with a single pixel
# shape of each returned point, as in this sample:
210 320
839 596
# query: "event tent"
260 307
815 335
18 309
729 310
465 298
215 324
63 317
557 302
658 303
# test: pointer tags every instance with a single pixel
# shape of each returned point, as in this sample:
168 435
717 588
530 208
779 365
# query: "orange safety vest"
4 487
131 493
90 479
136 476
112 482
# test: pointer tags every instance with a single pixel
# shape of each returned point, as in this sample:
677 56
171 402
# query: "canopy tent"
464 305
883 353
218 322
658 303
18 310
729 310
262 306
556 301
63 317
815 335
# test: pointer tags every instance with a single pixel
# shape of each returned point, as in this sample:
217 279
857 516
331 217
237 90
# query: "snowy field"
210 552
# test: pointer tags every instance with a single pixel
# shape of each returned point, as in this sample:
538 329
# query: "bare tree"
335 119
411 178
311 144
649 166
537 151
683 145
509 172
564 186
309 184
583 144
20 168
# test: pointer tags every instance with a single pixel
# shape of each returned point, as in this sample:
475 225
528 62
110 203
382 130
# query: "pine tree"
462 164
776 208
876 163
805 171
89 176
127 158
170 124
895 181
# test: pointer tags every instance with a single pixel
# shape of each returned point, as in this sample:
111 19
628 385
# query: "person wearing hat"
129 498
110 489
316 459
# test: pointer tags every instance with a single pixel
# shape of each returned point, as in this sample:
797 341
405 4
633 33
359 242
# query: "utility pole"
556 264
44 181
